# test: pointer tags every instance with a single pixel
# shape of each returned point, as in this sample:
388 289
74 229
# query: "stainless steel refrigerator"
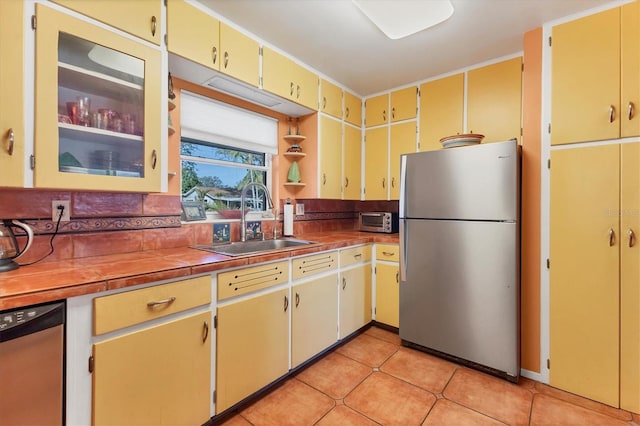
460 255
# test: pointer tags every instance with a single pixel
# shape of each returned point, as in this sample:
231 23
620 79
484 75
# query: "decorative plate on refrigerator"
461 140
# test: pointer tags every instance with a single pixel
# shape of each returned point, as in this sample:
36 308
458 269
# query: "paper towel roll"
288 220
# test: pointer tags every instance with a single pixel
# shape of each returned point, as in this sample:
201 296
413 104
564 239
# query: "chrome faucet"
243 195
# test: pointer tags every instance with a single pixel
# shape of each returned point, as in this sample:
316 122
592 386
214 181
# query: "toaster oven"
385 222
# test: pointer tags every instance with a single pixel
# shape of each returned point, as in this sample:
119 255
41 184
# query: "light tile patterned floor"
373 380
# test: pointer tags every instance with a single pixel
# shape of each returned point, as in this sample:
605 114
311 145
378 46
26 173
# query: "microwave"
386 222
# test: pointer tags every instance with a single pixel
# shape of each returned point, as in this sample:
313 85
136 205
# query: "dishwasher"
32 365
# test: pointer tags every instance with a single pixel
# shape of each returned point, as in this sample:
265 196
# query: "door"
387 294
376 160
403 141
376 111
352 158
441 110
584 275
404 104
355 299
240 55
314 318
352 109
193 34
330 158
630 69
330 99
459 293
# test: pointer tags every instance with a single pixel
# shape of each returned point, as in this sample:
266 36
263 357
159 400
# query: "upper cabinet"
11 86
352 109
404 104
376 160
330 99
285 78
441 110
595 86
494 100
351 158
376 110
140 17
330 158
402 141
98 107
201 38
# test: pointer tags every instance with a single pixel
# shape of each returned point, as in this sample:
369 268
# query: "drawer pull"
166 301
398 277
388 253
286 303
632 238
344 283
358 255
297 299
214 54
11 141
612 237
205 331
612 113
226 59
154 25
631 109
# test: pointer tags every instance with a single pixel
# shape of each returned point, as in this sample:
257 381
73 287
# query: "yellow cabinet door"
630 277
240 55
158 375
494 100
352 158
124 79
585 75
441 110
11 86
376 159
193 34
352 109
403 141
307 84
314 318
330 158
584 274
330 99
630 70
355 299
387 294
285 78
252 346
376 110
140 17
404 104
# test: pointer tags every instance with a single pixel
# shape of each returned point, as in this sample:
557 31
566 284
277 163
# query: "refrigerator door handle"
403 198
403 251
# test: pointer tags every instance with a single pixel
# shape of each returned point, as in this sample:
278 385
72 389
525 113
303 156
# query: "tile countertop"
68 278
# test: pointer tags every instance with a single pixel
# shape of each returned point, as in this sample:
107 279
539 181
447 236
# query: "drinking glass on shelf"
84 105
72 112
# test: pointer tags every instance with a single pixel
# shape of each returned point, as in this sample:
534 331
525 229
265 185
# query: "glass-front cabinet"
98 107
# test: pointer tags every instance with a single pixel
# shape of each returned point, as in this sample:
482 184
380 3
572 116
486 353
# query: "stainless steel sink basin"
252 247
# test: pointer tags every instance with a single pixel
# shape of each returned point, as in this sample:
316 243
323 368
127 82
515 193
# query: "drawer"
246 280
388 252
355 255
134 307
311 265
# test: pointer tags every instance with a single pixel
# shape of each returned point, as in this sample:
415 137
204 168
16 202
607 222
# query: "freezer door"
459 293
476 182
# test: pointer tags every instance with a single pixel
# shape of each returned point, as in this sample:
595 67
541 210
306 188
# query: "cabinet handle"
612 113
398 277
388 253
286 303
154 25
393 112
205 331
298 92
214 54
11 135
612 237
384 182
346 112
632 238
166 301
324 178
344 283
346 182
297 299
631 110
324 102
226 59
291 89
358 255
154 159
393 182
384 115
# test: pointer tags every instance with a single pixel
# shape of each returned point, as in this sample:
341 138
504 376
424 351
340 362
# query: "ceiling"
337 40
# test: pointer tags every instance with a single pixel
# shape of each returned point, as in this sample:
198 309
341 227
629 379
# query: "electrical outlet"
55 211
299 209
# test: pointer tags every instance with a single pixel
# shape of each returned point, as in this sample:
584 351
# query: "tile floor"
374 380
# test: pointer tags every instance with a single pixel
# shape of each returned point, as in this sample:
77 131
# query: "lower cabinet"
355 299
314 317
158 375
252 345
387 294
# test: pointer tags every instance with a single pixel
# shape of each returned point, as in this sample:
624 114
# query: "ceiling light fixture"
401 18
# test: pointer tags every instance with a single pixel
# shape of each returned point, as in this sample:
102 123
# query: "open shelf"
298 184
295 154
294 138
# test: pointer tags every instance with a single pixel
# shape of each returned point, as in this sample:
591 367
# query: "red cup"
72 111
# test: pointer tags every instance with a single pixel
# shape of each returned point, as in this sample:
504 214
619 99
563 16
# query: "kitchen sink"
252 247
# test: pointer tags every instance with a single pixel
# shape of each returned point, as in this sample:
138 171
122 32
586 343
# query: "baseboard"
532 375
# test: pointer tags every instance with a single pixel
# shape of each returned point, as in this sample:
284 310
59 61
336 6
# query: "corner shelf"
298 184
172 129
294 138
172 105
295 154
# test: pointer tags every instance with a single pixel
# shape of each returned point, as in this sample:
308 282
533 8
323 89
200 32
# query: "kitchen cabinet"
593 344
403 141
198 36
284 77
330 158
252 345
140 18
376 160
352 159
98 108
376 110
330 99
247 280
355 289
494 100
352 109
441 110
12 139
404 104
594 74
387 310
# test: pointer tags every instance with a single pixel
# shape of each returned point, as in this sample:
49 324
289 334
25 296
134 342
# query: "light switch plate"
299 209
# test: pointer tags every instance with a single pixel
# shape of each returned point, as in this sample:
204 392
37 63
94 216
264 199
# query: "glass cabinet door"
98 107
